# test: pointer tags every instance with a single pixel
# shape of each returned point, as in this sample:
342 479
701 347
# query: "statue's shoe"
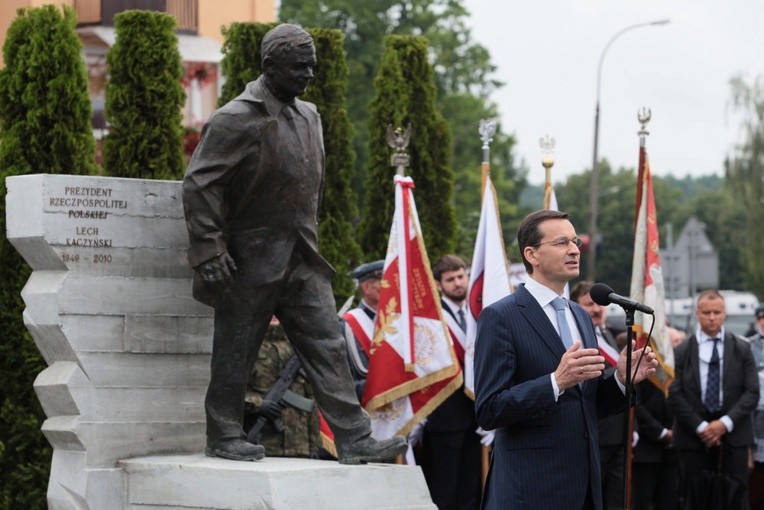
235 449
369 449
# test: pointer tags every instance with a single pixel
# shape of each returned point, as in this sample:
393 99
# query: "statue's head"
288 57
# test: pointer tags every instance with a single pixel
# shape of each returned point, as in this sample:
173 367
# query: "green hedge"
405 94
45 127
339 209
144 97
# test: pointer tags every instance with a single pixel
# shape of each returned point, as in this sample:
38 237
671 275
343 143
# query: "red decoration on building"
204 72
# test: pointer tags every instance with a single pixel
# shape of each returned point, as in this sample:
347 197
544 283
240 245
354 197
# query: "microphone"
604 295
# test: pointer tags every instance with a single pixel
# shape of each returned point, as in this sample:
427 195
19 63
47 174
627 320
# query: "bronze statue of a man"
251 196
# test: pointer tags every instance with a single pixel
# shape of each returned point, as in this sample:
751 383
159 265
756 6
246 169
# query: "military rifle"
281 393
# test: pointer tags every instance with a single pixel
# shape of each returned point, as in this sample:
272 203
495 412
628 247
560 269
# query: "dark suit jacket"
611 428
546 453
457 412
252 189
653 414
740 387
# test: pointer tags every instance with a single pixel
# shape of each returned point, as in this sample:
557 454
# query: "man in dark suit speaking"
251 197
539 383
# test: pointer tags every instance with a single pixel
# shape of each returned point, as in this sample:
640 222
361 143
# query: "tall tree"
405 94
722 213
44 127
707 198
464 81
339 205
745 175
241 64
616 218
144 97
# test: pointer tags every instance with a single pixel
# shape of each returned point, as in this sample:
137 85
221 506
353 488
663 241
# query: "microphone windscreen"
600 293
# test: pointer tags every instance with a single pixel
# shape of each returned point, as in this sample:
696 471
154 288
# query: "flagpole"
399 141
487 131
643 115
547 161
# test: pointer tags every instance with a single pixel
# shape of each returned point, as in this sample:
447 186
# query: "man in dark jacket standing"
251 196
451 452
612 433
714 393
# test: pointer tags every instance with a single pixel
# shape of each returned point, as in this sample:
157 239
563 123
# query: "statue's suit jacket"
248 192
740 388
546 453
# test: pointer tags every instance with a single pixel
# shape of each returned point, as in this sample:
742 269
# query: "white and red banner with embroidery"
489 276
412 367
647 277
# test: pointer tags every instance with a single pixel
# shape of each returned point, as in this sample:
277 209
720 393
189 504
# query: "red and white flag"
608 351
647 277
412 366
489 276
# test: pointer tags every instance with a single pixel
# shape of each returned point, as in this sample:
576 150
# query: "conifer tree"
337 241
405 94
144 98
45 126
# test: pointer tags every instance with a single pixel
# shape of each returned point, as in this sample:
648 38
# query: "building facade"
199 41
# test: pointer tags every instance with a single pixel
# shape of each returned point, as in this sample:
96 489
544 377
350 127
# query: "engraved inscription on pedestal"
89 205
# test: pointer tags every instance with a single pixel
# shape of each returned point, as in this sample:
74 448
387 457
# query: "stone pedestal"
109 306
195 481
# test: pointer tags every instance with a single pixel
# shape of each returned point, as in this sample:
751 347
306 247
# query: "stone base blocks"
109 306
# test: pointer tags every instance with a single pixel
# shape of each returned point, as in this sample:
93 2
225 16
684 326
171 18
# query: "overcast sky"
547 52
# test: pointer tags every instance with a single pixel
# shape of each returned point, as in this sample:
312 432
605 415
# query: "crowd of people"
675 438
550 395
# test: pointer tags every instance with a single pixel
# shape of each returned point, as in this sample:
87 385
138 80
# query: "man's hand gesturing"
577 365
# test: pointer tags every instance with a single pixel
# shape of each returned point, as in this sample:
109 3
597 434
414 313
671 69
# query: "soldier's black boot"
235 449
368 449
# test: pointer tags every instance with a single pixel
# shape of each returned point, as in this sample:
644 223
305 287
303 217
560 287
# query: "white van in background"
741 307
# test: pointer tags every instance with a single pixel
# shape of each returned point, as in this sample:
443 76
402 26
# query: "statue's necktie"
299 125
713 381
462 320
558 304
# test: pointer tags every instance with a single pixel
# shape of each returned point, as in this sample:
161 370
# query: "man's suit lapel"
694 362
538 320
582 323
728 378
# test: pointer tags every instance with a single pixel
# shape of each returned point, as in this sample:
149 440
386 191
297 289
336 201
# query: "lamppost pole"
594 180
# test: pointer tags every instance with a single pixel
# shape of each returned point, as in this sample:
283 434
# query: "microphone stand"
627 413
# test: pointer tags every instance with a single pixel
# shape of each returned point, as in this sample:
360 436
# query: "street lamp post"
594 180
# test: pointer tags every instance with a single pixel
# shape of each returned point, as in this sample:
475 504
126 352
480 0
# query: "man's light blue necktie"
558 304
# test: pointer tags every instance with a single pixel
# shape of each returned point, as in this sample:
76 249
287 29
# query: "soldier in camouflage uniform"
300 437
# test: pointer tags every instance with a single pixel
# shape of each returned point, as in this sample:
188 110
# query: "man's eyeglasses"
562 242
